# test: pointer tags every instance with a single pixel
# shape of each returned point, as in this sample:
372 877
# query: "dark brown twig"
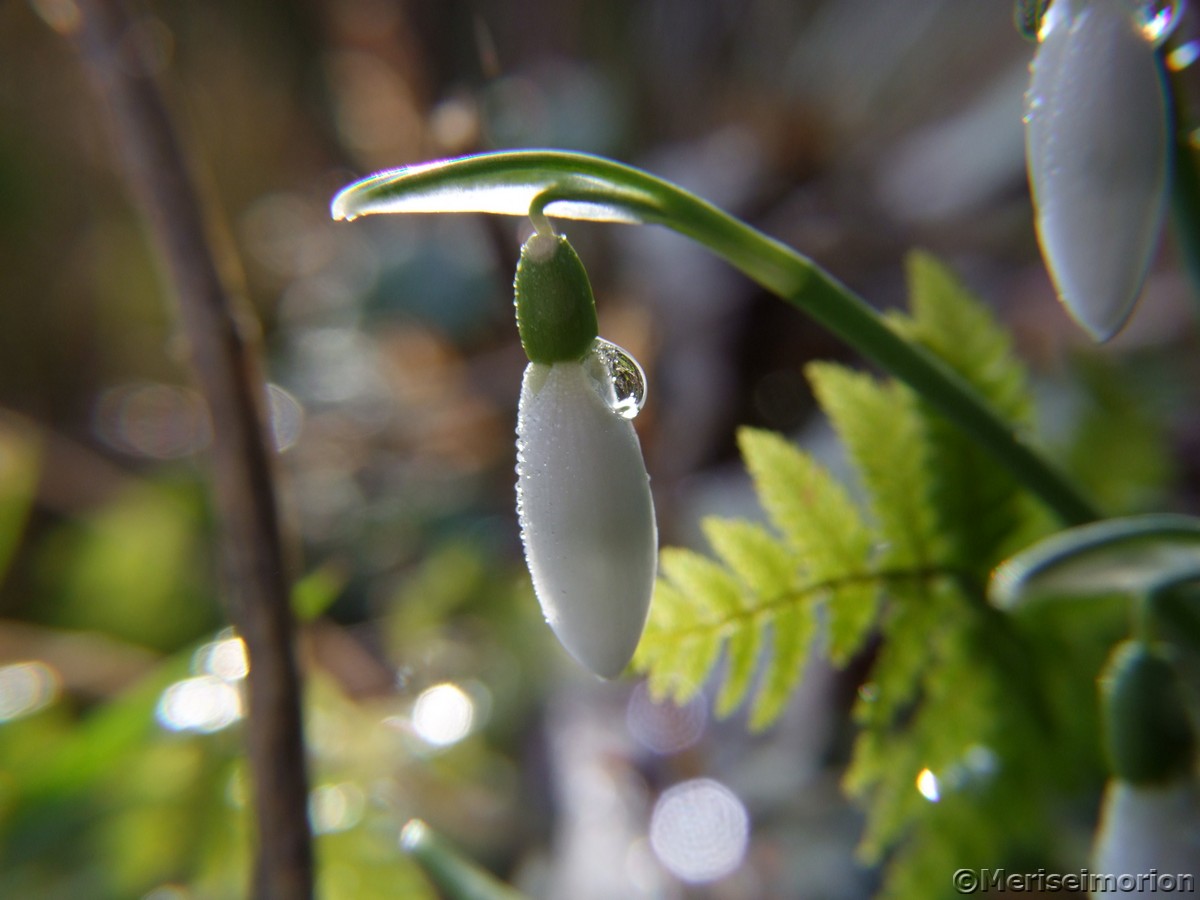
223 352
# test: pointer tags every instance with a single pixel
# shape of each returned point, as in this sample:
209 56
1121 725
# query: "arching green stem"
575 185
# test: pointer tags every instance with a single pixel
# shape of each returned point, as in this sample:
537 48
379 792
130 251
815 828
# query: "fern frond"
919 715
680 644
979 506
791 636
950 684
763 564
950 321
885 438
822 527
709 588
741 656
811 509
762 603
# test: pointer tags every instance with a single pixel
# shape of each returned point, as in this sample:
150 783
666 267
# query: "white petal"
1097 151
587 518
1147 828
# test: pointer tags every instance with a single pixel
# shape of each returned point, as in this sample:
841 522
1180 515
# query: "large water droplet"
1158 18
628 379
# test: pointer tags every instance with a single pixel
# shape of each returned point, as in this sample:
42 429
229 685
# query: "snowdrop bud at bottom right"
1147 828
1097 150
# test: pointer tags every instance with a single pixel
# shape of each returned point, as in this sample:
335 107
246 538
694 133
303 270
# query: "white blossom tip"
587 517
1097 148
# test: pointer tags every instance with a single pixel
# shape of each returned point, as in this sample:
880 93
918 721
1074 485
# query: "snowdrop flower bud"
583 495
1151 815
1148 828
1097 152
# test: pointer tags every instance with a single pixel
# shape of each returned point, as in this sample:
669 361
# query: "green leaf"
133 569
1120 445
20 467
313 594
903 659
884 436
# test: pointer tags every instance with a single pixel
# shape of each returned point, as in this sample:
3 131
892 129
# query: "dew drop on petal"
628 379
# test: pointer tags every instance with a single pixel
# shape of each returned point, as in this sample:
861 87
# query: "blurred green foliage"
961 757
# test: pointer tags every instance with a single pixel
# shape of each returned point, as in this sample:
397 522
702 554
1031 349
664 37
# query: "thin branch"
223 353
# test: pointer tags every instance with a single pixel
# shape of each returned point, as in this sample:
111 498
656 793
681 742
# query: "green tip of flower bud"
1147 733
556 313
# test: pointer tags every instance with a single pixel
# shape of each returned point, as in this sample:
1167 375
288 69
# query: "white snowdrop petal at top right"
1097 150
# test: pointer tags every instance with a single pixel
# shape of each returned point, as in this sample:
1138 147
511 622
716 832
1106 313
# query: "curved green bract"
504 183
581 186
1136 556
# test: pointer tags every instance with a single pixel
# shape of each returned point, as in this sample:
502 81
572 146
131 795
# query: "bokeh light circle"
699 830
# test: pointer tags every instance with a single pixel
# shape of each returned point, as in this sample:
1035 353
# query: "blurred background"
850 129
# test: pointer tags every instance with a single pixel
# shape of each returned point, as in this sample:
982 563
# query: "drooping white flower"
1148 828
587 518
1097 149
583 495
1151 816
